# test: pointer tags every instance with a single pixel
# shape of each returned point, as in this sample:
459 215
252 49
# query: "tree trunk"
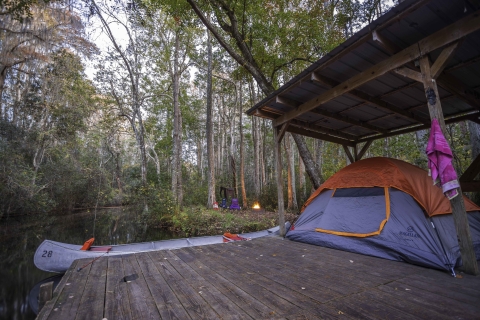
301 180
177 128
292 194
307 160
209 128
242 156
421 137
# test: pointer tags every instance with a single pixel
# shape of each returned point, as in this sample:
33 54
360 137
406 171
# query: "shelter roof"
365 89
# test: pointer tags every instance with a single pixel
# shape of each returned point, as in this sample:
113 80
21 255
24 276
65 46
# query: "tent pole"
458 206
277 140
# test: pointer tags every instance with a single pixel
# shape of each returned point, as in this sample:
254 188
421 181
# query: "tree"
125 74
241 24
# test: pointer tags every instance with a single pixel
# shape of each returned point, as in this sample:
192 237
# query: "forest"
142 103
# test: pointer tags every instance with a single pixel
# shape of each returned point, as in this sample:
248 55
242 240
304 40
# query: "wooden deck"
267 278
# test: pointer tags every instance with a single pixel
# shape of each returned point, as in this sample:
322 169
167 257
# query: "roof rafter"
332 115
368 98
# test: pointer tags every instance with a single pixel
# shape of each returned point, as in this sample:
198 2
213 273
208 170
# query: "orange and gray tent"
385 208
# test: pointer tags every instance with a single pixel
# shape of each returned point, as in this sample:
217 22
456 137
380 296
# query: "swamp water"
20 237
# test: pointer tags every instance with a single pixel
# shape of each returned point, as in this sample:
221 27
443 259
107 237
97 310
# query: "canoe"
53 256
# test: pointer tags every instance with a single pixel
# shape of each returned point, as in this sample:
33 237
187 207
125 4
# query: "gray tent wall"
409 235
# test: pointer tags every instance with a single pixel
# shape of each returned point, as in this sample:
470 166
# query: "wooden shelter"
375 85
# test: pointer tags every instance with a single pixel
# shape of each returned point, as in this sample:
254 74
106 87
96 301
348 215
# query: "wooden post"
278 169
458 206
45 294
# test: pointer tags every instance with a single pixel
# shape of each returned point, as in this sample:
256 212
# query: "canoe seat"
228 237
100 249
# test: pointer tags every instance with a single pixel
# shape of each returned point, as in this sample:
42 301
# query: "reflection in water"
19 239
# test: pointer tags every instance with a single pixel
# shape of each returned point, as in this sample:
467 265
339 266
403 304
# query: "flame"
256 205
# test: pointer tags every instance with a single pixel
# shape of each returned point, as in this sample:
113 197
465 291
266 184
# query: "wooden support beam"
317 135
458 206
279 169
456 87
364 97
442 60
348 153
309 126
454 119
472 171
409 73
470 186
286 102
45 294
364 149
443 37
463 64
384 42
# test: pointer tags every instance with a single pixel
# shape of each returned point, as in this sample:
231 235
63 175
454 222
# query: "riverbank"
202 222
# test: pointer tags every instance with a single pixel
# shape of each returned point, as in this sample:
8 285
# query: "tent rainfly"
385 208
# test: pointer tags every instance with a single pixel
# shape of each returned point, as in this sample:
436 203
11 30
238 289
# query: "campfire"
256 207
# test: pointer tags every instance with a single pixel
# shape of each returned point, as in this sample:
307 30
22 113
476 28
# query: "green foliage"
198 221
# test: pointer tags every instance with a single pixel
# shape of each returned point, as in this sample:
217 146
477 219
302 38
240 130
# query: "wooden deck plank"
191 300
361 306
288 273
139 296
93 297
246 302
70 282
408 307
305 264
278 306
164 297
222 305
68 301
266 278
454 292
117 305
466 280
369 265
438 304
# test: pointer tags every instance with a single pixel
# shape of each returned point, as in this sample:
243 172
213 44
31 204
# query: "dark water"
19 238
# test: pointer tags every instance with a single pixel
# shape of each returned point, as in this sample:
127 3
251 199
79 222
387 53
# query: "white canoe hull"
53 256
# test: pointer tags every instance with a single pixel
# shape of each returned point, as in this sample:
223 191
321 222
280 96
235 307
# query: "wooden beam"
316 77
470 186
348 120
409 73
443 37
364 149
265 114
463 64
456 87
317 135
392 133
279 169
472 171
286 102
442 60
459 213
384 42
45 294
349 154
